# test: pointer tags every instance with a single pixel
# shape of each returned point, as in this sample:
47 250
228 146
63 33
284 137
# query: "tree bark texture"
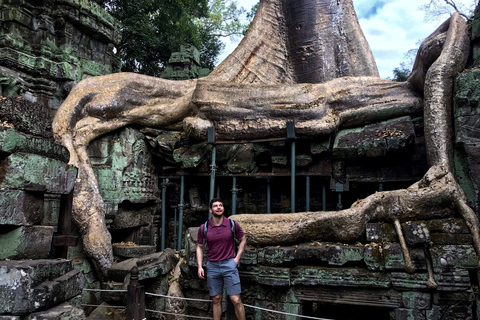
312 66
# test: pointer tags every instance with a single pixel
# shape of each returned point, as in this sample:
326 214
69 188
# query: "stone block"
249 257
19 278
63 311
198 295
416 232
409 314
373 257
26 243
312 252
63 288
131 218
450 225
339 255
394 260
460 311
453 256
12 141
36 173
347 277
275 256
319 147
243 160
51 210
452 239
20 208
454 281
375 140
126 251
381 232
274 276
417 300
149 267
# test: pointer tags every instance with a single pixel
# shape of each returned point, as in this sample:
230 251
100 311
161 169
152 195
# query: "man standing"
222 261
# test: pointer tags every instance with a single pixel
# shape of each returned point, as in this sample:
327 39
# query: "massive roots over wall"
260 86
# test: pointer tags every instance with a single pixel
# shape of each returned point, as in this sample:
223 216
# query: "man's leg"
217 307
238 305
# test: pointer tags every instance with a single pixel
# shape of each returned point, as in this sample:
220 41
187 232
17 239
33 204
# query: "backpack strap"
205 229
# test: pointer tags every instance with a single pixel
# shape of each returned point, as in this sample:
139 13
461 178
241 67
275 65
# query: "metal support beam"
180 214
307 194
324 197
175 226
291 136
380 187
234 196
164 213
213 169
269 200
339 204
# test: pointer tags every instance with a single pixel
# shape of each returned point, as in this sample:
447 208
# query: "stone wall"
48 46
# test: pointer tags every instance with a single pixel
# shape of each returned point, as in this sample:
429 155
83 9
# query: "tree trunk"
288 67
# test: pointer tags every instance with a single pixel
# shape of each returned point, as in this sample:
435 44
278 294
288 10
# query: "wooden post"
135 297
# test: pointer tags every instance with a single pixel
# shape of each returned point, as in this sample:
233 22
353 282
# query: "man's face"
217 209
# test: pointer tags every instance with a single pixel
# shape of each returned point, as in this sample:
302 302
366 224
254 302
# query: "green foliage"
153 29
250 15
401 73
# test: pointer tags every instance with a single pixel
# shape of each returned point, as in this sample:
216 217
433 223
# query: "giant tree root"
253 93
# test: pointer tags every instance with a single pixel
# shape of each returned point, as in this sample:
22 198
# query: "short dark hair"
215 200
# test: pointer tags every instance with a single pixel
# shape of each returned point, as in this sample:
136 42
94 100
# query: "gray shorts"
220 273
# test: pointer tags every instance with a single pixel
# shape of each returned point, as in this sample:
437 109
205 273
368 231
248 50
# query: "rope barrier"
171 297
101 290
199 300
284 313
178 315
100 306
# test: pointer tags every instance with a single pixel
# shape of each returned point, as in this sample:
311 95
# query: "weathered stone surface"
381 232
394 260
373 257
350 296
26 243
133 251
243 160
51 210
19 278
467 115
416 232
274 276
31 172
453 256
275 256
457 280
123 166
12 141
407 314
63 288
65 311
417 300
322 276
44 61
131 217
20 208
195 154
150 266
375 140
455 311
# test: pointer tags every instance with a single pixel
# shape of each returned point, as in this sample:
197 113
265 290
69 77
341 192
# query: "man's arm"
241 249
201 273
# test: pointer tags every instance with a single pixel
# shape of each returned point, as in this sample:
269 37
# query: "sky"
392 28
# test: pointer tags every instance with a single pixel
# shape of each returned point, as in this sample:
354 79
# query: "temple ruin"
358 198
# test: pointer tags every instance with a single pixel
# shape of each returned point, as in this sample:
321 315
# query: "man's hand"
201 273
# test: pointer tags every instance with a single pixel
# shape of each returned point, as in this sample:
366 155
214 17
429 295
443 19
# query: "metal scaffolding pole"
213 166
307 194
269 200
234 196
291 136
164 213
180 214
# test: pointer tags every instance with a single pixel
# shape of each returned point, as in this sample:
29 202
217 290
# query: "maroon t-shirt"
220 239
